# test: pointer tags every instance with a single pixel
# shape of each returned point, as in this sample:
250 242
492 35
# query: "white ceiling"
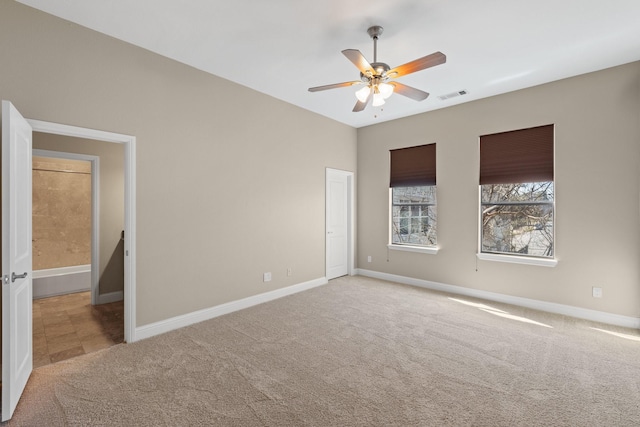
283 47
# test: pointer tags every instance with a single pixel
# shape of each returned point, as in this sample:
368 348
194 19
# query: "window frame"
411 247
513 257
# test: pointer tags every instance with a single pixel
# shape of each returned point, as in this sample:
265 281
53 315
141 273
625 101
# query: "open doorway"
122 254
78 247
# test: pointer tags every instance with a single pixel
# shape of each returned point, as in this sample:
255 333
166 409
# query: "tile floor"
67 326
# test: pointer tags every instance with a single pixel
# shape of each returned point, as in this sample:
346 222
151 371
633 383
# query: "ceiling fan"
378 76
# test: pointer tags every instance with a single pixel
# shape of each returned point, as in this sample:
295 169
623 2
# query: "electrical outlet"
369 258
266 277
289 272
597 292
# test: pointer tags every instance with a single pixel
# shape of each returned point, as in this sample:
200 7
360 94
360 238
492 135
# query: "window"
517 192
414 215
518 218
413 196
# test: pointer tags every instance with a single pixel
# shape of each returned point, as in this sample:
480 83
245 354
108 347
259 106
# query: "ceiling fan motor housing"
380 70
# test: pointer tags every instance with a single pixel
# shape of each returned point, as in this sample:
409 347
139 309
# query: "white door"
337 223
17 354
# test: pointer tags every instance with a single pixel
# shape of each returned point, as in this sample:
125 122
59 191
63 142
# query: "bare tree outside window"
518 218
414 215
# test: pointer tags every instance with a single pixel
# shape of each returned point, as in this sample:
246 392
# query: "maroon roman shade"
413 166
517 156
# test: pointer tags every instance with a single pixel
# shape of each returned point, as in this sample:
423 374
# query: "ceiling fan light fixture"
385 89
378 98
363 94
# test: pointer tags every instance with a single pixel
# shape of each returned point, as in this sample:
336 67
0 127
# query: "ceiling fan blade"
333 86
418 64
362 105
409 92
358 60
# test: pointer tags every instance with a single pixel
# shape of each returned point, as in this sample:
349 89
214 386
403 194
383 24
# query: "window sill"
432 250
514 259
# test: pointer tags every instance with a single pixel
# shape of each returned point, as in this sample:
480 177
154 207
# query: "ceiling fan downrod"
375 32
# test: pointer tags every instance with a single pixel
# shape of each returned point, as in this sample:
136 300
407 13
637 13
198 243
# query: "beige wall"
597 170
111 203
230 182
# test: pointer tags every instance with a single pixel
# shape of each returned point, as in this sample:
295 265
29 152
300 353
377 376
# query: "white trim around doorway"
129 207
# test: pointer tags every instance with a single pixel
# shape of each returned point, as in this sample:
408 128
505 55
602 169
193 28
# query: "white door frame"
350 220
129 143
95 210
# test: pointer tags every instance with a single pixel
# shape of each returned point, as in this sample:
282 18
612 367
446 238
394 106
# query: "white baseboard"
550 307
110 297
167 325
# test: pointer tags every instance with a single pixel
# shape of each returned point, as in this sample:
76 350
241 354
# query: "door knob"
15 276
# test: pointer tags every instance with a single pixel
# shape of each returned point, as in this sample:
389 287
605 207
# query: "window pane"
425 224
414 215
404 227
527 192
415 225
414 195
518 229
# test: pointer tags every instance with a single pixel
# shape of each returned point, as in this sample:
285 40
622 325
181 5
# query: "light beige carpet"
356 352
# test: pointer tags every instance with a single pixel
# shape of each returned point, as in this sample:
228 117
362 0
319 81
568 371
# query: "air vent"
452 95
